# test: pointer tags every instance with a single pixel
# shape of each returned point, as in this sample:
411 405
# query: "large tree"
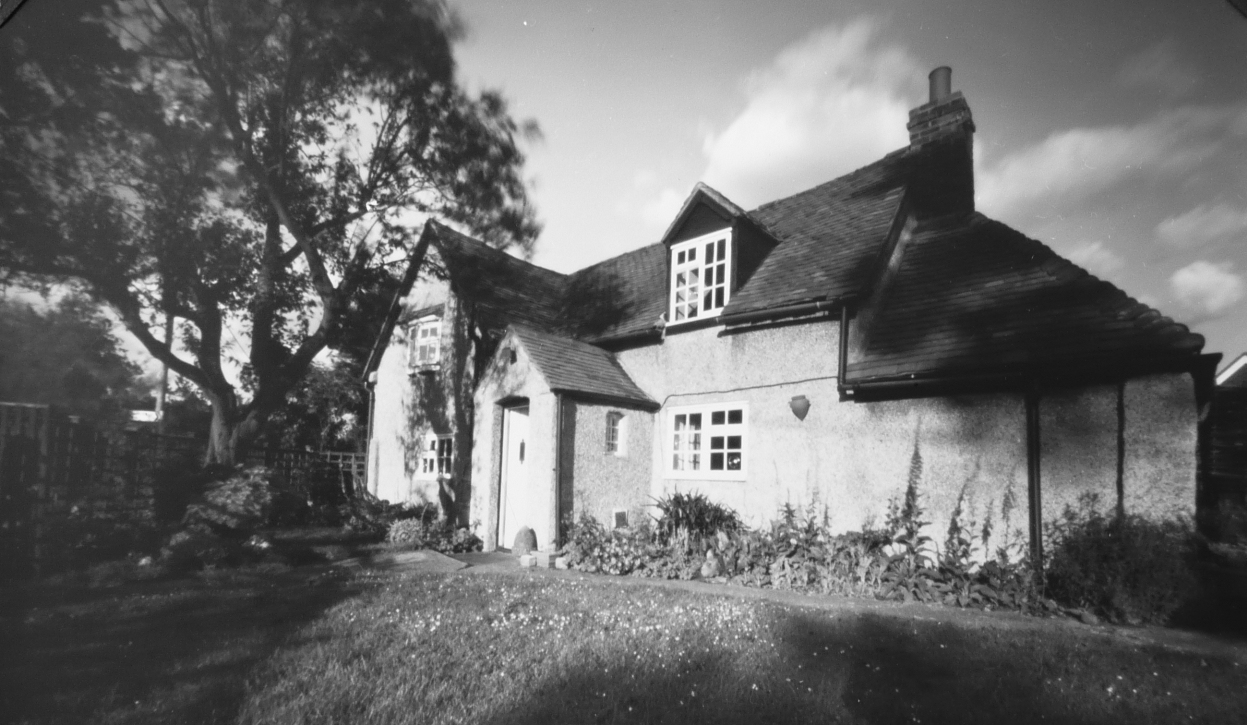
244 164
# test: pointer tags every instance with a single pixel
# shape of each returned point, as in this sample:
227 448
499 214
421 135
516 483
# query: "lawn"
390 647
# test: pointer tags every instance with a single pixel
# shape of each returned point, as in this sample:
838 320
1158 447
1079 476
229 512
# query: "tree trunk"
233 431
223 437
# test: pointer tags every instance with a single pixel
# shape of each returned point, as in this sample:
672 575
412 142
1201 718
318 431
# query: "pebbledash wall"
408 405
854 457
599 482
850 457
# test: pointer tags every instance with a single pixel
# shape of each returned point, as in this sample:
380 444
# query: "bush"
1225 523
425 530
695 516
1126 569
590 547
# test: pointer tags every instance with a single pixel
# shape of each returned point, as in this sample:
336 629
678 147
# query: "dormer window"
700 270
424 340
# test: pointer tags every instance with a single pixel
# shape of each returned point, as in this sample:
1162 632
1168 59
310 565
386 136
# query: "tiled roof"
503 288
621 296
573 366
831 238
974 296
830 242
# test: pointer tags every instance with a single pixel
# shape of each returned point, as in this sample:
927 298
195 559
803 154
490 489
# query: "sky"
1114 132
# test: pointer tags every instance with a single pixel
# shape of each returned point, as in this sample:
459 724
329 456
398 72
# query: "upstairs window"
708 441
615 432
700 270
425 339
437 458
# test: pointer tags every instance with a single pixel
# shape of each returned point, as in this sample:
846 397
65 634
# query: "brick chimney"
941 144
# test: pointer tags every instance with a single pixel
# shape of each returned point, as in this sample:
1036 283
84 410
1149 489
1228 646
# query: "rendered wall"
1079 436
1161 445
850 457
391 476
408 405
504 383
595 481
853 458
1078 445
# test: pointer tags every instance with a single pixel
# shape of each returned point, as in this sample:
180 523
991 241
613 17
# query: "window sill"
739 476
426 369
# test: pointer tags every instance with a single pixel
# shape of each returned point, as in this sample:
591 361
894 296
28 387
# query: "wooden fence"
54 467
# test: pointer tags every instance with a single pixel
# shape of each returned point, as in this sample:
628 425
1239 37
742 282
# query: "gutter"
842 360
1018 379
801 308
647 333
602 398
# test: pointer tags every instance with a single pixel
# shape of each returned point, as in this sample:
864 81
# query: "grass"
389 647
163 651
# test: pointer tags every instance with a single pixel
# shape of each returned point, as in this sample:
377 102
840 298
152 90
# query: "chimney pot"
941 83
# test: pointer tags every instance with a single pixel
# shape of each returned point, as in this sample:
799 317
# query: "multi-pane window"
708 441
425 340
700 270
615 433
437 457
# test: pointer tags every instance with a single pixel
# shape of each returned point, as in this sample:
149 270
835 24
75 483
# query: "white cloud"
1097 259
1160 69
1079 162
661 210
1208 288
1203 225
835 101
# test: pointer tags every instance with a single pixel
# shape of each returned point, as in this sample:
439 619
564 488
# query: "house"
1234 375
809 350
1225 474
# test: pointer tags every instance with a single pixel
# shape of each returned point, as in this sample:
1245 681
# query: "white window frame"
437 456
432 325
617 422
686 442
689 272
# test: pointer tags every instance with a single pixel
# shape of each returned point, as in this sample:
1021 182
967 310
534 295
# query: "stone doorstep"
538 559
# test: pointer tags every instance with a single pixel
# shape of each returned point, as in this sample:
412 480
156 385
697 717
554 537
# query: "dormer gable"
713 247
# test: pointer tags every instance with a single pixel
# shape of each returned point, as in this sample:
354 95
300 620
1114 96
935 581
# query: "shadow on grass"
868 668
174 650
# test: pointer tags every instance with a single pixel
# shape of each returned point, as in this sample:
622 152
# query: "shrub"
697 516
1225 523
1126 569
425 531
590 547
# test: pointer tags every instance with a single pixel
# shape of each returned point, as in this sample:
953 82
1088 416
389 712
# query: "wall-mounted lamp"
800 406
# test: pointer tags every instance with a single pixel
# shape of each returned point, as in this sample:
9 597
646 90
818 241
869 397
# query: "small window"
708 441
424 340
438 456
700 270
615 433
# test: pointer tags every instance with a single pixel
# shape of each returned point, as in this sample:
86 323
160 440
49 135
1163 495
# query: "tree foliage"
247 166
68 356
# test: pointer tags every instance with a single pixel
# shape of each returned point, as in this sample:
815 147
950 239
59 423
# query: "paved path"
425 560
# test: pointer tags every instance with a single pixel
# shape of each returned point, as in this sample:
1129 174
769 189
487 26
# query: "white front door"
516 497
